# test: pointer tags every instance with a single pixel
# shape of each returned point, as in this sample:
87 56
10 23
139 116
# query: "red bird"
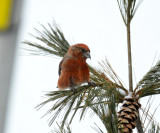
73 69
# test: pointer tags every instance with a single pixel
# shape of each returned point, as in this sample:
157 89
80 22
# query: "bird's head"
79 51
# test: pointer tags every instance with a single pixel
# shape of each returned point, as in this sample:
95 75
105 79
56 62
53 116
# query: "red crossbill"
73 69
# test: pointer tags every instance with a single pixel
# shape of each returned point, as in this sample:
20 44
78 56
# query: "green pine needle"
58 129
51 41
150 83
132 5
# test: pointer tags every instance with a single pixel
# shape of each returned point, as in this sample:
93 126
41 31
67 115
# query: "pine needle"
150 83
51 41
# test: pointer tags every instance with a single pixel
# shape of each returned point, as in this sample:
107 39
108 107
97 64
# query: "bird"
73 69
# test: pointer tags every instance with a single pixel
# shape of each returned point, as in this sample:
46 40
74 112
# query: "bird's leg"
72 87
91 84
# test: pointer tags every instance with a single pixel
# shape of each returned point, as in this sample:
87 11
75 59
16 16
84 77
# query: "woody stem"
129 50
138 121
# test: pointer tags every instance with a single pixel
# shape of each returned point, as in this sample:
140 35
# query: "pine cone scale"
128 114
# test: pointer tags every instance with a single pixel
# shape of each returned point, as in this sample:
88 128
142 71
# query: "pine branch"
155 128
98 129
128 9
86 97
108 114
124 5
129 54
52 41
150 83
64 100
60 130
109 90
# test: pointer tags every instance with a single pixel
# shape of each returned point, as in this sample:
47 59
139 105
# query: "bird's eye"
83 50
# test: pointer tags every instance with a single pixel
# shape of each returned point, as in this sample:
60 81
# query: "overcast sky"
98 24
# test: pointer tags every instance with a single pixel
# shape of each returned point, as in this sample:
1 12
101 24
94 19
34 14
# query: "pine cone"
128 114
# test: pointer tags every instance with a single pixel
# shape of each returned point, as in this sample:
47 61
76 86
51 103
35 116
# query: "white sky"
97 23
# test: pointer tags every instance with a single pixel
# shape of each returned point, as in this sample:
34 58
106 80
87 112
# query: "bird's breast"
75 72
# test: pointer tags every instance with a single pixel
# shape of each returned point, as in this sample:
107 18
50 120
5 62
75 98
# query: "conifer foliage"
105 98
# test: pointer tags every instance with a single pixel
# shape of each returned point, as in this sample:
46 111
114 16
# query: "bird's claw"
74 90
92 84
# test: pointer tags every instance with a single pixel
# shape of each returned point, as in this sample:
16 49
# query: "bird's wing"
66 59
60 67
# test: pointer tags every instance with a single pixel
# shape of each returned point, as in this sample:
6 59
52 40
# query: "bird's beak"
87 55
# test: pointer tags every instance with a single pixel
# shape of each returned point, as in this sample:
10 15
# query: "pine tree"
109 92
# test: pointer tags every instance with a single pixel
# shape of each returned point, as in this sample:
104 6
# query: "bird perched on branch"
73 69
